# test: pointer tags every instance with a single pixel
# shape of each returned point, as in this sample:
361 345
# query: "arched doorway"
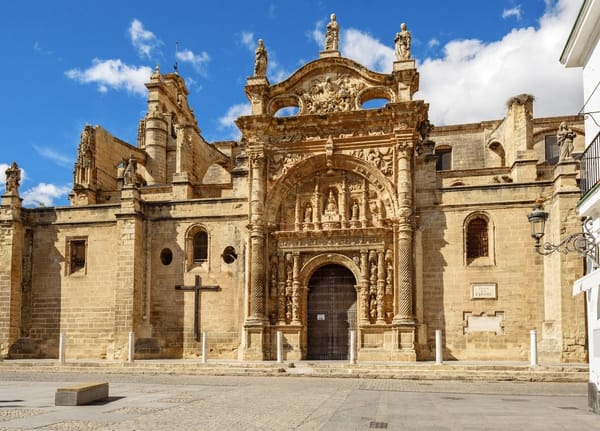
331 312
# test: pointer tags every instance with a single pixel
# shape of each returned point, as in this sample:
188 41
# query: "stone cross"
197 288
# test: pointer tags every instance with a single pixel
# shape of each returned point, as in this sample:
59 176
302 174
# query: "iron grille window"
201 247
76 255
477 238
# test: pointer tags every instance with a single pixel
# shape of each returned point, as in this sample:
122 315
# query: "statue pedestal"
404 65
329 54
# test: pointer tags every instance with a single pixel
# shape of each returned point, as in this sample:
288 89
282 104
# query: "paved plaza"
179 402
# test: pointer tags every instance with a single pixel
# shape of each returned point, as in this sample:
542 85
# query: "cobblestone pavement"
163 402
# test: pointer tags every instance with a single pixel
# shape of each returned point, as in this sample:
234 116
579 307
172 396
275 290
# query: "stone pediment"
327 85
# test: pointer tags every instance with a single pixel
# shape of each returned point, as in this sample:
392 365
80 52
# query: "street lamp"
582 243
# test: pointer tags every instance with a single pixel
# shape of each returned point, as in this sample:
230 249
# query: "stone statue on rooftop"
260 60
13 179
402 41
332 35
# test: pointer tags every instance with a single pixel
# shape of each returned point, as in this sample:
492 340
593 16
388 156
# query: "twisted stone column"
257 238
380 287
403 231
296 290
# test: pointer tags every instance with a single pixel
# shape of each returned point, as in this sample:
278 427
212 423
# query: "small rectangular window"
552 149
444 159
76 252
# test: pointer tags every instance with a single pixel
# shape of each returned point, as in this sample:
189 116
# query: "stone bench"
84 393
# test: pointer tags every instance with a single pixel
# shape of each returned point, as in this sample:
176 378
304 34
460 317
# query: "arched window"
200 247
477 238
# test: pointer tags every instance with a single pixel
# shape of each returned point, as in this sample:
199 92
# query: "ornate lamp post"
582 243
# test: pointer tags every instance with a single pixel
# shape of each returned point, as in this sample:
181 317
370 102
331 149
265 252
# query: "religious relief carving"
280 164
331 216
330 94
382 159
141 134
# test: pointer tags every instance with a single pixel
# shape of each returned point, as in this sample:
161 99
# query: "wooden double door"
331 313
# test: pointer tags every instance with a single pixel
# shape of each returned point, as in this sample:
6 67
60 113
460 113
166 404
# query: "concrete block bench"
84 393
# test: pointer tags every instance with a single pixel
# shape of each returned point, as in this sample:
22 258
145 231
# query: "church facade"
334 219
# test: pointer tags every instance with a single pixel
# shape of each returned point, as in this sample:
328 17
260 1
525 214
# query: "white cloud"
113 74
235 111
43 194
49 153
318 34
198 61
433 43
144 41
247 39
366 50
513 12
474 79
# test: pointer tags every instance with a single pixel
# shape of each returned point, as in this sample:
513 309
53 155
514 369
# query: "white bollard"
438 347
353 347
279 347
61 348
130 350
533 360
204 347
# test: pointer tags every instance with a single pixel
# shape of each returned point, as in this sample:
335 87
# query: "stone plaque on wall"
484 323
484 291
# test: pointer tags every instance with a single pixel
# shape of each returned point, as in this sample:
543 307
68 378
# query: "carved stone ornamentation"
381 158
13 179
280 164
84 165
330 94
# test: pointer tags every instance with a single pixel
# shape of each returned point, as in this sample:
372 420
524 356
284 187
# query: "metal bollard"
279 347
533 359
438 347
353 347
61 348
131 349
204 347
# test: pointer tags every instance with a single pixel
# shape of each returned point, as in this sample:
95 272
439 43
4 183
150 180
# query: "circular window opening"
229 255
166 256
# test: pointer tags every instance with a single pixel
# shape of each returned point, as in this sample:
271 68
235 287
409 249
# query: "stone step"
418 371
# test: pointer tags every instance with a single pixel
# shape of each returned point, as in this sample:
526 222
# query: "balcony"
590 167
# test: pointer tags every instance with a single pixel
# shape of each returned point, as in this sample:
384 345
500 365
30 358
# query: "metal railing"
590 166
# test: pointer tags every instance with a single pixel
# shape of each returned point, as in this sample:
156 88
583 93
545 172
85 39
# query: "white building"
582 50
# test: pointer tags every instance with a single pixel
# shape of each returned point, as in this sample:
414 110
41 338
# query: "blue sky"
68 63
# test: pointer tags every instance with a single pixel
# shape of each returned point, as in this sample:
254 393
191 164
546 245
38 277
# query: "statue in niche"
260 59
355 211
308 213
273 275
13 179
564 139
332 35
331 204
288 308
289 268
402 41
373 307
